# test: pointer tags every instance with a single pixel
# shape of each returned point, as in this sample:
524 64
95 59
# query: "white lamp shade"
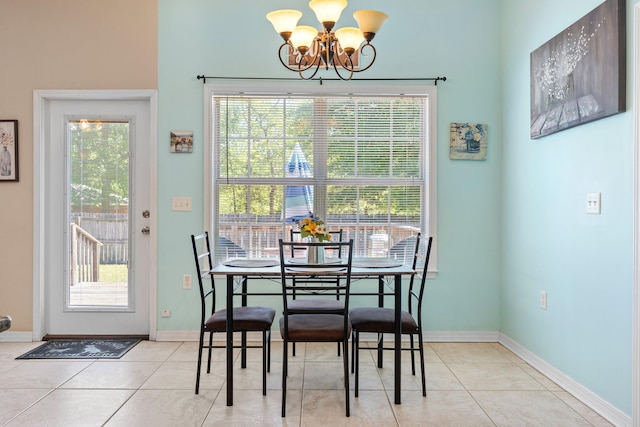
328 10
370 21
349 37
303 35
285 20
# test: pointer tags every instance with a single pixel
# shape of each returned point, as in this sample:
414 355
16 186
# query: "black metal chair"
301 305
245 319
404 249
305 304
315 325
228 249
381 320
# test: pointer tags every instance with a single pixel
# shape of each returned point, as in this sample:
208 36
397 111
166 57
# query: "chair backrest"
228 249
404 249
336 236
204 264
416 249
333 277
420 275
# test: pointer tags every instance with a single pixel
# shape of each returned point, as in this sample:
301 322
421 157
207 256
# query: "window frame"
305 88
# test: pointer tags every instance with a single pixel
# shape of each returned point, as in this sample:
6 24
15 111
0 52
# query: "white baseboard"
586 396
217 337
445 336
179 335
452 336
16 336
461 336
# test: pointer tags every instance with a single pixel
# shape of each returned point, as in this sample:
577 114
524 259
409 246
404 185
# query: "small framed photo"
181 141
468 141
8 150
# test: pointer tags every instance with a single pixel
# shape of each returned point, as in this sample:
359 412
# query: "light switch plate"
187 282
593 203
181 203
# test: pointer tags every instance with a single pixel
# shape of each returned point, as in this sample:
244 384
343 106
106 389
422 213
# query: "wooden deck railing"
112 229
85 256
369 240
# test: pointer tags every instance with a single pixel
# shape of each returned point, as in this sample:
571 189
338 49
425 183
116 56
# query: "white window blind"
359 162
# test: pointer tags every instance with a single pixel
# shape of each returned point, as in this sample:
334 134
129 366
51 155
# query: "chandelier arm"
344 66
337 53
312 75
372 60
314 54
313 57
308 64
297 69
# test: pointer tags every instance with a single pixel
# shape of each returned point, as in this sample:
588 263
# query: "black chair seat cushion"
314 305
381 320
244 319
315 328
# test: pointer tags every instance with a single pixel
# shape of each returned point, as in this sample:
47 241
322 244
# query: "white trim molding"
194 335
635 389
300 87
16 336
452 336
41 99
461 336
586 396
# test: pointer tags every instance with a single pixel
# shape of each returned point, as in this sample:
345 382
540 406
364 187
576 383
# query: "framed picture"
8 150
468 141
579 75
181 141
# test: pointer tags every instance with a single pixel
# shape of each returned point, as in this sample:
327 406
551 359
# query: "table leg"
243 351
380 304
397 362
230 340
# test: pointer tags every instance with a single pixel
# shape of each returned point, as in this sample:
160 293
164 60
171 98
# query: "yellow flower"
311 226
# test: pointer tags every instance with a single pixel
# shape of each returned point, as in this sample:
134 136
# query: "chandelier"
348 50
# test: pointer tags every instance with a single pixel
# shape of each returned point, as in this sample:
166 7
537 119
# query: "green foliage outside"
99 165
366 139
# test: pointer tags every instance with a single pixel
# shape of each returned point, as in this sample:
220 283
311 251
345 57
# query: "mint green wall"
584 262
459 40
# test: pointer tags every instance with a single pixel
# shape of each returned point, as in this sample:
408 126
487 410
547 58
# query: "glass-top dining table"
244 271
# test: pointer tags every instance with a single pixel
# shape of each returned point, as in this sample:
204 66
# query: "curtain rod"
320 79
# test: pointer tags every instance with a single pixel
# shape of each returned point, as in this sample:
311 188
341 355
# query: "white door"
96 196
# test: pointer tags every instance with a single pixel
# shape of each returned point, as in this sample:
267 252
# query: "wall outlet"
187 283
181 203
543 300
166 313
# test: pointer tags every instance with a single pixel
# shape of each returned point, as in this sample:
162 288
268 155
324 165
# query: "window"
359 161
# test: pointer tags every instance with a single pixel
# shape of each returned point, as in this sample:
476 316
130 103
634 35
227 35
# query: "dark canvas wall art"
579 75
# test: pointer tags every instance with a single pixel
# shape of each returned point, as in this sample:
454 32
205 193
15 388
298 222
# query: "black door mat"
81 349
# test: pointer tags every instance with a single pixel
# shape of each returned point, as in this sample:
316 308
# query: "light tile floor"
468 384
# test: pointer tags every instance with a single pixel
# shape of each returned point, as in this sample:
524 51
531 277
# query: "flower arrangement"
312 226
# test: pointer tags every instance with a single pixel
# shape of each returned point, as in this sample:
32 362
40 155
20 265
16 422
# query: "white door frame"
41 99
635 381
